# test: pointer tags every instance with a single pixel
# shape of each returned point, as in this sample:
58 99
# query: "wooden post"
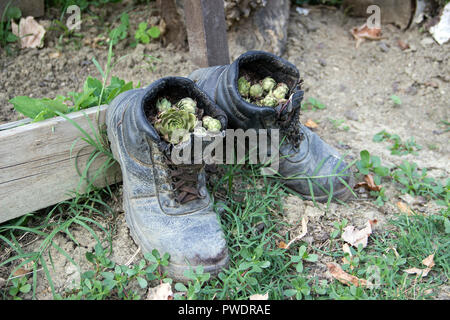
33 8
207 33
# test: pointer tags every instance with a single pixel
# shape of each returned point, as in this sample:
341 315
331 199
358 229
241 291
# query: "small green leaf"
26 288
180 287
290 292
154 32
142 282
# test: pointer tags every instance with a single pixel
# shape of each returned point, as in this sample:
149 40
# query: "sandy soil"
354 84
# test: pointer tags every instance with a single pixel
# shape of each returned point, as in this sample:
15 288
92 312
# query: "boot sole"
342 194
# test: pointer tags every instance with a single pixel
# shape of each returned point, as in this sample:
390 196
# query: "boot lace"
184 181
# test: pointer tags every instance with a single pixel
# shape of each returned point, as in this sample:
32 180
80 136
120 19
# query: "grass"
251 210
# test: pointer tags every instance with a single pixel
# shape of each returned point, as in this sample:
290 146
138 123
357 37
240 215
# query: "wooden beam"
36 166
33 8
207 33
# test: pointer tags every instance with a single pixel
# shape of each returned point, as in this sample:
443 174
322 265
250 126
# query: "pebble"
426 42
383 46
351 115
322 62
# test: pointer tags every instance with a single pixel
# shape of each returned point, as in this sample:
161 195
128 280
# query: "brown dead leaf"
55 55
428 262
161 292
364 32
403 45
259 296
30 32
368 183
20 272
354 237
348 279
419 272
311 124
282 245
403 207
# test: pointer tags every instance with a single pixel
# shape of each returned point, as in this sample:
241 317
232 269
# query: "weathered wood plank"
37 169
207 32
33 8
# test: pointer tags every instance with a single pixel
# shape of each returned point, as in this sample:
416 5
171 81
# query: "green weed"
399 147
7 38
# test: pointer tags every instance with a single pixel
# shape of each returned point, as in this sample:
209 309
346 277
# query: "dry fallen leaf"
161 292
419 272
30 32
348 279
364 32
354 237
20 272
282 245
428 262
259 296
403 207
368 184
403 45
55 55
311 124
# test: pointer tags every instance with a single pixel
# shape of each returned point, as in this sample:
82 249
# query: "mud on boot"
307 163
167 206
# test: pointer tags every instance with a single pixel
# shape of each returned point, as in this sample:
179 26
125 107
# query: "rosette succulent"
211 124
256 91
269 101
163 105
280 91
187 104
174 125
268 84
243 86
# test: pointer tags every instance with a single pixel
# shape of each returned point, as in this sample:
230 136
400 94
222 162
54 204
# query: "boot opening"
175 89
255 67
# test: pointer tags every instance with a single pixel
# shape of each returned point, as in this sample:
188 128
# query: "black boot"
167 206
303 153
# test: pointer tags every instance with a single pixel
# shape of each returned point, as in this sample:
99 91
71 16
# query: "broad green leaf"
29 107
154 32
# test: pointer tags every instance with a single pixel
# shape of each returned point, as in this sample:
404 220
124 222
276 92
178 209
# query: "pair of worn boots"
167 205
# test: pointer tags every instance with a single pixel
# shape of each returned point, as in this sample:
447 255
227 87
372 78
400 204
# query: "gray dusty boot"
303 153
167 206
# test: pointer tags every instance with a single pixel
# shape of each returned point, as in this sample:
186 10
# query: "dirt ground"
354 84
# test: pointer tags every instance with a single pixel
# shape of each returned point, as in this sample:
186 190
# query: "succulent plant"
211 124
187 104
256 91
268 84
200 131
174 125
280 91
243 86
269 101
163 105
